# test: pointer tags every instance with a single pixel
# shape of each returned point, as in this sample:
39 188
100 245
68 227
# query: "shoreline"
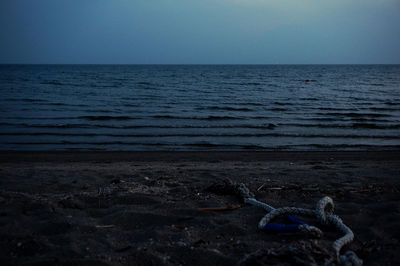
170 156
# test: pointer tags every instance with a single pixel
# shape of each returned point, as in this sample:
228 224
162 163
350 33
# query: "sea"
199 107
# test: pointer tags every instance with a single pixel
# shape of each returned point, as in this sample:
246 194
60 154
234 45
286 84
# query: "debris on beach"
323 212
191 214
303 252
222 208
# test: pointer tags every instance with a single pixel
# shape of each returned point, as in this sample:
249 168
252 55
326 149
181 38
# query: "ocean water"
199 107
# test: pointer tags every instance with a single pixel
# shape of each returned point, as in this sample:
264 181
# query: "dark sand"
142 208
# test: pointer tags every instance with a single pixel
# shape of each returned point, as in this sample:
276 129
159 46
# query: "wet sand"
150 208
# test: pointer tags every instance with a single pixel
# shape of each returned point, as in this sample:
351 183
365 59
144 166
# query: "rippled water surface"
168 107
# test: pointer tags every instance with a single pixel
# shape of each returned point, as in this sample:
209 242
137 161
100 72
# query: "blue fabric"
295 219
285 227
281 227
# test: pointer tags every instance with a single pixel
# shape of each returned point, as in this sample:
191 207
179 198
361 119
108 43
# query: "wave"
56 104
66 142
107 117
146 83
353 125
250 83
273 85
350 146
226 146
100 111
346 119
333 109
209 145
86 117
225 108
352 114
51 82
392 103
91 85
335 147
317 119
251 104
28 100
277 109
309 99
49 125
383 109
42 102
255 126
360 119
63 104
233 126
157 144
114 85
59 83
240 103
375 126
307 80
377 84
210 117
283 103
131 105
42 118
216 135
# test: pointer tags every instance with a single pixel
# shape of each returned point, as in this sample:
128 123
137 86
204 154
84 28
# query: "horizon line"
198 64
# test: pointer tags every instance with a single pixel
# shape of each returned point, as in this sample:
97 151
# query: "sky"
200 31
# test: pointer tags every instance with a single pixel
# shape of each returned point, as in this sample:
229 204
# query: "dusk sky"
200 31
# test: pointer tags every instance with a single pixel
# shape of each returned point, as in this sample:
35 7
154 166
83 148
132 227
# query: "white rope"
324 214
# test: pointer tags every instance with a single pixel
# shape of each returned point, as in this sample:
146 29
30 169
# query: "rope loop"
349 258
324 214
324 208
312 230
244 191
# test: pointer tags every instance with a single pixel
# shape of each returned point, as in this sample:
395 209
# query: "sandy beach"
159 208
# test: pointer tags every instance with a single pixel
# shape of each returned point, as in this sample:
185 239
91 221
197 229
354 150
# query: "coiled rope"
324 214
